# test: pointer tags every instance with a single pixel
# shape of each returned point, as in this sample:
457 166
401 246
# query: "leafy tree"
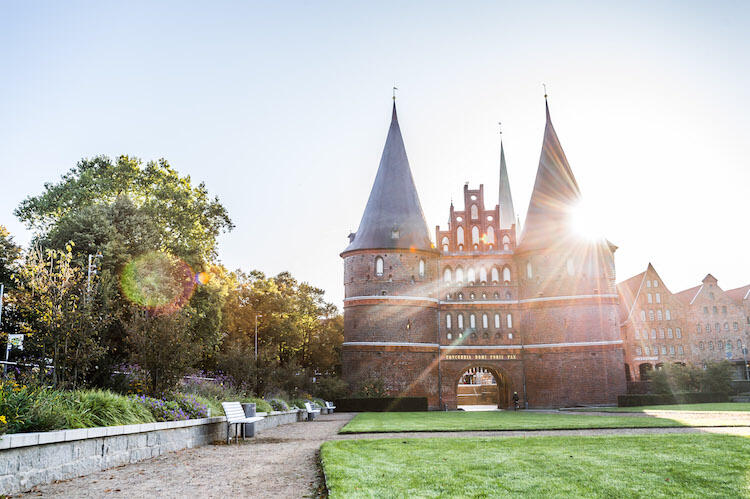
61 319
10 254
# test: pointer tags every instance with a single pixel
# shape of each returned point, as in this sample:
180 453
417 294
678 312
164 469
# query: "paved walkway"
279 462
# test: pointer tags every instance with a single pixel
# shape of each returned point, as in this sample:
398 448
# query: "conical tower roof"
393 216
507 213
554 196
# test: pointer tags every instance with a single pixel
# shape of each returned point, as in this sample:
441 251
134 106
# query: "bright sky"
282 110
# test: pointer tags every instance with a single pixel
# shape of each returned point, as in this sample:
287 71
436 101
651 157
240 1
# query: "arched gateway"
482 386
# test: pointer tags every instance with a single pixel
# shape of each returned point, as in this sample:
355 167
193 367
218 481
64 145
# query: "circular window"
489 219
459 219
473 197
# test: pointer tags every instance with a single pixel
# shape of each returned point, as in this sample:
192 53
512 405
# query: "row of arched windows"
666 315
472 274
717 327
476 239
720 345
473 321
669 334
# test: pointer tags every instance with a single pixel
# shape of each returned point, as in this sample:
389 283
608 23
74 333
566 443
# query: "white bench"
330 407
236 415
311 413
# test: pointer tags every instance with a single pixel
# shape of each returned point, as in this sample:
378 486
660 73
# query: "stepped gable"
393 217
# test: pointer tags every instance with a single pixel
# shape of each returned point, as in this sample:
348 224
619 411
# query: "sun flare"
588 221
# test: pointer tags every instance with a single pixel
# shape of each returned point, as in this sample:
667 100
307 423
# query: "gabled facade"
696 325
538 312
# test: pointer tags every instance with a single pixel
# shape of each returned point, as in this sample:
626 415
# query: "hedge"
634 400
383 404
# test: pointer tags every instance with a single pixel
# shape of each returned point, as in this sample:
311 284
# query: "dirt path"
279 462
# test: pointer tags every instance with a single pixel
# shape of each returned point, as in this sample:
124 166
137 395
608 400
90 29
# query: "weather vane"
545 90
500 126
394 92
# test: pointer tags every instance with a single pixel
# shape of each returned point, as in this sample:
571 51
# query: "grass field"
379 422
720 406
700 465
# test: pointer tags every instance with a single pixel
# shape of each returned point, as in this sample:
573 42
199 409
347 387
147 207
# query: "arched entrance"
482 387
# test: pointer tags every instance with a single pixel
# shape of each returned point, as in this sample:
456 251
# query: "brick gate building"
537 308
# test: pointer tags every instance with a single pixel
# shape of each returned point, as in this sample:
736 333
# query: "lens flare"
202 278
587 221
158 282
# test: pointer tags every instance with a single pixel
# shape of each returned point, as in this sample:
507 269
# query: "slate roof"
393 217
739 294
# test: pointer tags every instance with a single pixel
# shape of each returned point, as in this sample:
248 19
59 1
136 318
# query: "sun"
588 221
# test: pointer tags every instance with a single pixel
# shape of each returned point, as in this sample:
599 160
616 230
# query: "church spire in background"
507 213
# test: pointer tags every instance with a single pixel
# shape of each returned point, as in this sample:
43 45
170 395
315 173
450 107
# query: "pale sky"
282 109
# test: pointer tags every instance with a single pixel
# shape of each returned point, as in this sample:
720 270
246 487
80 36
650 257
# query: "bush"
260 404
670 399
91 408
383 404
191 406
319 402
298 403
331 388
162 410
716 377
372 388
278 405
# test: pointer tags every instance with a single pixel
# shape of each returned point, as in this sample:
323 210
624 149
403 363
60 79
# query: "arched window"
482 275
509 320
490 235
700 345
460 318
571 269
447 275
448 321
739 345
473 321
421 268
495 275
485 321
445 244
643 315
379 266
698 328
678 333
507 295
474 212
708 327
668 315
475 235
529 270
726 326
506 243
650 298
659 315
459 274
650 315
497 321
669 332
506 274
460 296
658 297
470 275
460 235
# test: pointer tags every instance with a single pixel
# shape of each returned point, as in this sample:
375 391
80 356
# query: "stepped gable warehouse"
538 311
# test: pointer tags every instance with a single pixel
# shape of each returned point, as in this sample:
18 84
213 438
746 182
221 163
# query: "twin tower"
537 309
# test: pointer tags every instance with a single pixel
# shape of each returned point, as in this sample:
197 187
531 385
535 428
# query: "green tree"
61 319
10 254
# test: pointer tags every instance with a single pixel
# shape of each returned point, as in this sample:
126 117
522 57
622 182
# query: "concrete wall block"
8 484
27 459
137 441
153 438
140 454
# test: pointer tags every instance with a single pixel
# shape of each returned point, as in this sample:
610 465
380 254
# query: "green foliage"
191 405
260 404
715 406
330 388
160 409
299 403
603 467
372 388
278 405
715 377
10 255
90 408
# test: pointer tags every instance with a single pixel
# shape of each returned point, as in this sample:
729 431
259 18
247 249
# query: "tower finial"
500 127
394 91
545 90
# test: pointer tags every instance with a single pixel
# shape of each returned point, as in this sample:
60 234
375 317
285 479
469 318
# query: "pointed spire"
507 213
393 217
555 193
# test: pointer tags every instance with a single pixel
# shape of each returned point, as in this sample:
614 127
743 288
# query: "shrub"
191 406
278 405
90 408
636 400
28 409
372 388
260 404
162 410
298 403
331 388
384 404
319 402
717 377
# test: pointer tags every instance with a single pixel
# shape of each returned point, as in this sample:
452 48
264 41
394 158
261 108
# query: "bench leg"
228 437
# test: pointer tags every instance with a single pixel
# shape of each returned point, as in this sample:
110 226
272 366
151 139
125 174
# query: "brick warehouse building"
538 310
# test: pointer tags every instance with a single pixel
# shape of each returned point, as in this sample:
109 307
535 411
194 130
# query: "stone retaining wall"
30 459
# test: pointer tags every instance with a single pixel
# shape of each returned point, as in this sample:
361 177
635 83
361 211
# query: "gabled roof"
628 291
393 217
507 213
688 295
555 193
739 294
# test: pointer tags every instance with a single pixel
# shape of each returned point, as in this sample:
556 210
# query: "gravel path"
279 462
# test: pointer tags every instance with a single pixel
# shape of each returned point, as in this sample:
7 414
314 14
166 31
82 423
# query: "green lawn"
700 465
379 422
719 406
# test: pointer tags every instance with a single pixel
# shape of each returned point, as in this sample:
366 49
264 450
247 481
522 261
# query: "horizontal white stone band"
391 297
389 344
527 300
538 345
480 302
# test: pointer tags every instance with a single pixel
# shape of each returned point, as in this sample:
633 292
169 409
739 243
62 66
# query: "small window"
421 268
726 326
739 346
379 266
471 296
497 321
506 274
735 326
663 350
724 310
507 295
717 327
460 319
643 315
650 298
705 310
483 275
475 235
460 235
653 334
658 298
448 321
678 333
708 327
490 235
680 350
571 269
715 310
668 315
646 350
648 284
509 319
637 334
661 333
510 336
449 336
447 277
460 296
473 321
700 345
710 345
659 315
495 275
669 333
459 274
671 349
638 351
720 345
470 276
698 328
485 321
651 315
506 243
656 283
529 270
474 212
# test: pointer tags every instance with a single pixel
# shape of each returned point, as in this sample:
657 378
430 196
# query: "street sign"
15 340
